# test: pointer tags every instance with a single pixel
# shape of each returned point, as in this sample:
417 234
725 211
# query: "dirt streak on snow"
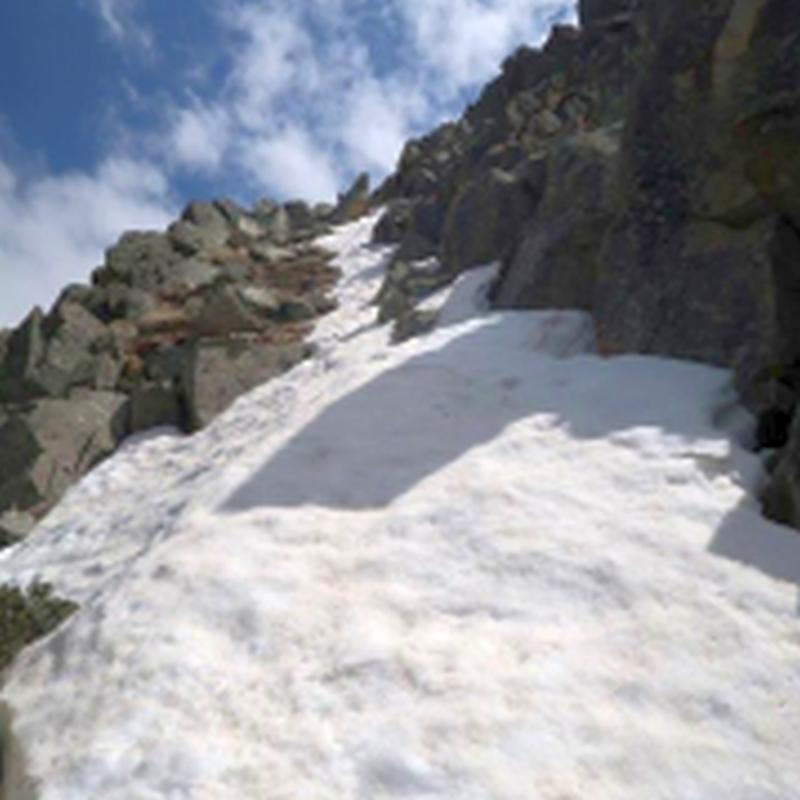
483 565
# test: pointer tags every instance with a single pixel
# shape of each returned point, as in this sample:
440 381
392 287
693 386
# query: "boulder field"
174 326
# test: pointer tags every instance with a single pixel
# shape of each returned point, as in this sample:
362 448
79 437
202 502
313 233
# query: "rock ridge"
173 327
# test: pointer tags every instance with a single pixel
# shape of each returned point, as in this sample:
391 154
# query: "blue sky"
113 113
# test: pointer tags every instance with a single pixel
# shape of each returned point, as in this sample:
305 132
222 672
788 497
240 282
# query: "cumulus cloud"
198 138
463 41
54 229
291 164
306 85
274 56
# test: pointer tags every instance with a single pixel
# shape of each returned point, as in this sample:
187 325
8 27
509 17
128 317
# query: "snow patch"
485 564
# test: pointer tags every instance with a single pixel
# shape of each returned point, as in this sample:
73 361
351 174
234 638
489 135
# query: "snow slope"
482 565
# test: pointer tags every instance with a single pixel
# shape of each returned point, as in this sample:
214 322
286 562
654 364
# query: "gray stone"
239 219
592 12
547 123
5 336
143 260
224 310
429 217
230 209
405 284
107 372
73 320
781 498
190 239
24 349
154 404
687 268
14 527
120 301
278 226
264 209
165 364
249 228
75 337
415 322
217 372
354 202
522 108
239 270
268 252
48 445
300 215
413 247
208 217
50 355
770 135
486 220
393 303
555 263
189 275
394 223
296 309
674 239
77 293
262 300
322 303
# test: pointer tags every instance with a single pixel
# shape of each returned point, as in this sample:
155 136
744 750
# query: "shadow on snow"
375 444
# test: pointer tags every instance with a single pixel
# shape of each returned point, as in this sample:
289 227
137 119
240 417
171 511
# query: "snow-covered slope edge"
485 564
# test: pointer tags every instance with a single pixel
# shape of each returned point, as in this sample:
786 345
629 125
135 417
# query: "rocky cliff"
644 166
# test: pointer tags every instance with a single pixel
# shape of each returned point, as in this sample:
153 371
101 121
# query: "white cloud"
464 41
199 137
277 56
54 229
304 83
377 122
291 164
305 77
120 20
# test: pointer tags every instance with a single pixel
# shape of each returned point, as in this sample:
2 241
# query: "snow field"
482 565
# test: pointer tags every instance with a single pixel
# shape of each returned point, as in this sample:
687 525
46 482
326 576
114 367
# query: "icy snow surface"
482 565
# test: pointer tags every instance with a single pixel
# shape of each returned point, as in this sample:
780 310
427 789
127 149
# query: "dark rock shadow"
746 537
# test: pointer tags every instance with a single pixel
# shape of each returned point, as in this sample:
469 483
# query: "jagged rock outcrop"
470 191
650 171
174 326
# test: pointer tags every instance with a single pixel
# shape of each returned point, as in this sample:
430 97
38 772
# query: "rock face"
51 442
533 147
644 167
174 327
354 202
216 372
